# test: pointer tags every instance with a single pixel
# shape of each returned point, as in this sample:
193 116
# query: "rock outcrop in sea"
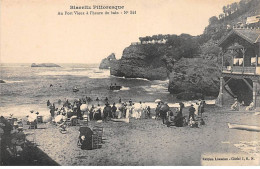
106 63
140 61
45 65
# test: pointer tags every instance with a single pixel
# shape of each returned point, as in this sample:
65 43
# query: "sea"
28 88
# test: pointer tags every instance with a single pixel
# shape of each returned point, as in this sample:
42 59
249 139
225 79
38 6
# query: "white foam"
93 73
156 88
125 88
130 78
79 68
12 81
97 74
15 66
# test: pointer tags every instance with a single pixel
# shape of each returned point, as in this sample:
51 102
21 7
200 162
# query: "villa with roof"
241 70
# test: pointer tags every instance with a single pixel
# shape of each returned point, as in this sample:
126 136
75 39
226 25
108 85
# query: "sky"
33 32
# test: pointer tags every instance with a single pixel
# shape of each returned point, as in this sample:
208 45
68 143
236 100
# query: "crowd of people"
123 110
100 110
95 111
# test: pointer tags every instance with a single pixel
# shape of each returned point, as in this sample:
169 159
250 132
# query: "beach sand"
148 141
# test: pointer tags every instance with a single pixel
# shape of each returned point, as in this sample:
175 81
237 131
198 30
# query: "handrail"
240 69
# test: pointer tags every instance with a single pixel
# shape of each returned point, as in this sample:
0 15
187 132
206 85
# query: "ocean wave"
99 74
79 68
123 77
159 87
91 73
12 81
125 88
14 66
161 81
156 88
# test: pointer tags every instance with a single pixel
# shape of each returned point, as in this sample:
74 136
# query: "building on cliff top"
240 73
252 19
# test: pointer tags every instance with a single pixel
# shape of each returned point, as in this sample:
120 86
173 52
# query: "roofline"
225 37
239 34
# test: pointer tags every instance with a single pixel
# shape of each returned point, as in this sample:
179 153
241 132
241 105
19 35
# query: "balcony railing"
241 70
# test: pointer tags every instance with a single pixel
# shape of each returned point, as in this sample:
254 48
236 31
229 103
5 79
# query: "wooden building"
240 66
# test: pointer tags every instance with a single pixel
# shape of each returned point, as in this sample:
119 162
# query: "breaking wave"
12 81
91 73
125 88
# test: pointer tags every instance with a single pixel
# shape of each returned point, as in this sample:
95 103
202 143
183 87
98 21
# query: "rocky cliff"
197 76
142 61
192 64
106 63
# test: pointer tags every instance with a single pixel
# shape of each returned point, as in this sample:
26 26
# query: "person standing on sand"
164 108
157 111
130 102
48 103
148 112
97 99
181 106
179 118
191 112
91 112
196 107
114 110
106 112
52 110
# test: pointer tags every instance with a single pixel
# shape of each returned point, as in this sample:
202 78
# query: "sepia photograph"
129 82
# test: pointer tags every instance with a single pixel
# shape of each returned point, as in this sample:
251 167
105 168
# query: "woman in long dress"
127 114
196 106
134 112
139 110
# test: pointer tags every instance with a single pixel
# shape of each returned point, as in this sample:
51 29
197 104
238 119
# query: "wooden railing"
239 69
249 69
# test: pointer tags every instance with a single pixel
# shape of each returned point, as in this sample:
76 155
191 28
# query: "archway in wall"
241 89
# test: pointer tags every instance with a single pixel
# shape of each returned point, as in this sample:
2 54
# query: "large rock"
1 81
45 65
140 61
194 77
106 63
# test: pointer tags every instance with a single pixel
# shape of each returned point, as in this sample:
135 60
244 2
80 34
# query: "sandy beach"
149 142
